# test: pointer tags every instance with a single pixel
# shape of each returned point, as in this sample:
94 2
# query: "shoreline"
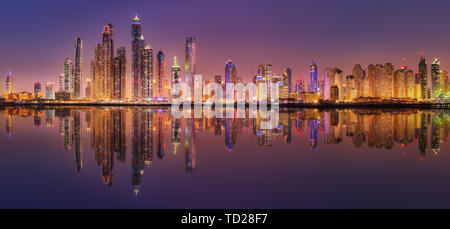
281 105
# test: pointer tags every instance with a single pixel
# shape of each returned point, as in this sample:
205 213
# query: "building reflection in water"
107 131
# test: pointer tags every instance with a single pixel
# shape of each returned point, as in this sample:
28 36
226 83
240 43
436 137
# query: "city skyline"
212 53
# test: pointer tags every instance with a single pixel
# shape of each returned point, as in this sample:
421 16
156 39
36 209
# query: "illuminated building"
264 76
190 67
444 81
350 92
334 77
137 47
108 54
62 96
159 86
97 73
404 84
313 78
230 72
322 88
37 90
286 87
423 77
49 90
88 88
387 81
362 83
78 68
68 75
120 72
61 82
175 72
299 87
147 74
436 84
334 93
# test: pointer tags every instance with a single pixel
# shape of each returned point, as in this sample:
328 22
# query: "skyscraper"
160 76
61 82
230 72
362 84
137 48
435 78
190 67
313 78
404 84
423 78
78 68
334 77
175 74
147 73
108 51
49 90
68 75
37 88
120 72
97 73
10 83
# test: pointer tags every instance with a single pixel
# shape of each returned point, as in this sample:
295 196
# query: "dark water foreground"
140 157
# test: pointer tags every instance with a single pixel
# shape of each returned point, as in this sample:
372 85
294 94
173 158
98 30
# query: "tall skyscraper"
175 73
78 68
435 78
137 48
49 90
313 78
108 50
10 83
68 75
97 73
120 74
423 77
37 88
362 84
160 76
147 73
334 77
287 75
387 81
404 84
61 82
230 72
190 67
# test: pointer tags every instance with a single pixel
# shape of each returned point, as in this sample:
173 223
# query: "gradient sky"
36 36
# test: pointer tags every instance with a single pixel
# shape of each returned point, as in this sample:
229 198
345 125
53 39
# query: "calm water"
143 158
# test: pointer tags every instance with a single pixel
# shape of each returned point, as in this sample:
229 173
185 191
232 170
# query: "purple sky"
36 36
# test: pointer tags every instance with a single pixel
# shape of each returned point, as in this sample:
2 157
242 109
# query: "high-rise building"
97 73
404 84
68 75
10 83
61 82
190 67
88 89
230 72
387 81
108 54
175 74
313 78
286 80
444 81
37 90
147 73
120 72
137 48
435 78
159 86
362 83
49 90
423 77
334 77
300 87
350 90
264 76
78 68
